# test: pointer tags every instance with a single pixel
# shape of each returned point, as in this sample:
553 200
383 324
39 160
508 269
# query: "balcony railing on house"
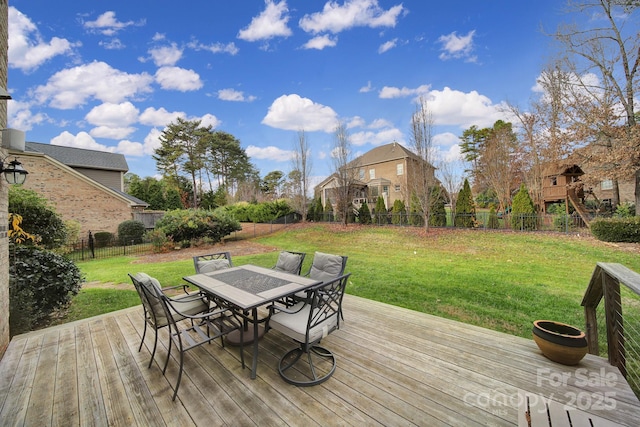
611 331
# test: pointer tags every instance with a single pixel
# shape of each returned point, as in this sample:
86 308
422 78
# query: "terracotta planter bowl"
560 342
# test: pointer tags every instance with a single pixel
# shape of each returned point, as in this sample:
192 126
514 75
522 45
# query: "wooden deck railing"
621 331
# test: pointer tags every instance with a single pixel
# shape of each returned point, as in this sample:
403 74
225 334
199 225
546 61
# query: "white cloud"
320 42
380 123
394 92
367 88
113 44
152 141
384 136
72 87
113 115
335 18
159 117
27 50
20 116
464 109
355 122
457 47
108 25
111 132
445 139
292 112
209 120
81 140
229 48
234 95
270 23
130 148
176 78
388 45
269 153
166 55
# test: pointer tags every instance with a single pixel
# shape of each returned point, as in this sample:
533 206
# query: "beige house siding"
74 196
4 220
110 179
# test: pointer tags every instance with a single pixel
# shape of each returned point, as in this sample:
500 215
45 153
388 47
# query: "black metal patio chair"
190 320
307 323
212 262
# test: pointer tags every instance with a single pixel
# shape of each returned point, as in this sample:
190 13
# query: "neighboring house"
383 171
82 185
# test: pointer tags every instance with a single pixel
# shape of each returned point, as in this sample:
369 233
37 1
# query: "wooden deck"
396 367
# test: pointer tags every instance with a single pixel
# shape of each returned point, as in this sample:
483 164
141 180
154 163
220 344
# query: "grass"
498 280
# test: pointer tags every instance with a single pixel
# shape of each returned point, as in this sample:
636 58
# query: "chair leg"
155 345
175 391
313 378
144 334
166 362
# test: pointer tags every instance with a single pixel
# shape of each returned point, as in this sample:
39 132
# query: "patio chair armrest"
184 287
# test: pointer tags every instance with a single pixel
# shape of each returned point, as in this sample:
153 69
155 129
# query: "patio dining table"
246 288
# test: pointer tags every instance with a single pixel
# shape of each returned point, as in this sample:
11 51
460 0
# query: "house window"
554 180
372 174
385 189
361 173
400 169
397 188
607 184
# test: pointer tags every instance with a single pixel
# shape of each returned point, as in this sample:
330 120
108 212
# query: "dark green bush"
437 212
399 213
38 217
185 225
364 214
494 222
40 282
523 212
616 229
103 239
465 208
131 232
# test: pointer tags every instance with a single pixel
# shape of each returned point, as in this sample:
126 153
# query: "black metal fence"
481 220
86 249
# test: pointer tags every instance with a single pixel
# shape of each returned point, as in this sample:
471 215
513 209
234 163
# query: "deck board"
395 367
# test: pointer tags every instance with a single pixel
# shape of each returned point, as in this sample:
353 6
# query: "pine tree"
523 212
399 213
381 211
364 214
493 222
465 208
328 211
437 212
415 212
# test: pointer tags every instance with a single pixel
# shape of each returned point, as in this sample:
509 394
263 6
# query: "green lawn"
499 280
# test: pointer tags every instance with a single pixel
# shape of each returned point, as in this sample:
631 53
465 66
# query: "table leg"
254 362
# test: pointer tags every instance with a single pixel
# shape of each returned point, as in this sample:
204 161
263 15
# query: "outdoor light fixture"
4 94
14 173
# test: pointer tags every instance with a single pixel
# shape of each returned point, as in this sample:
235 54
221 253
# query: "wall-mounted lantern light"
4 95
14 173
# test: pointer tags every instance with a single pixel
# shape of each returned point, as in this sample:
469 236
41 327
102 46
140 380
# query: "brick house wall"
74 196
4 220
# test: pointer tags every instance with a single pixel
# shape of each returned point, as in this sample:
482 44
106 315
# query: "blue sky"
110 75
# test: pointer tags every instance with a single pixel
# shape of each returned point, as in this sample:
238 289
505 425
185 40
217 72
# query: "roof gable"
80 157
384 153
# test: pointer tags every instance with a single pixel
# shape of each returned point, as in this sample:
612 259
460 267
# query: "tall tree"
421 180
607 48
499 163
345 168
471 145
181 151
302 165
270 184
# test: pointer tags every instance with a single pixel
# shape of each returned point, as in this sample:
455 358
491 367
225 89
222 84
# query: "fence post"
615 327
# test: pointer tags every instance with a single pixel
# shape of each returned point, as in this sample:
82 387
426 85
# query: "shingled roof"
384 153
80 157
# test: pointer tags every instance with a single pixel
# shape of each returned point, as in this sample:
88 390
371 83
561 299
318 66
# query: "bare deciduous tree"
421 181
345 169
610 51
299 176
